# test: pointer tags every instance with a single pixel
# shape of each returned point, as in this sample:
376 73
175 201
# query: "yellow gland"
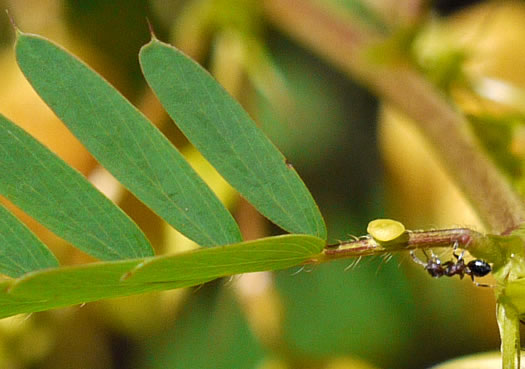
385 230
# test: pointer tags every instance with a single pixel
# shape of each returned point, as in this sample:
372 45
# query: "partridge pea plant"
144 161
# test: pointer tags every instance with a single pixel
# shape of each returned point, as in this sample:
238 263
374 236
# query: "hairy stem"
346 44
463 237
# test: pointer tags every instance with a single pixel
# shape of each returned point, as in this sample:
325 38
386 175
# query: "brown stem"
345 43
463 237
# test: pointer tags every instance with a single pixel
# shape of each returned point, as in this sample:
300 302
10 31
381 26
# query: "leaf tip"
151 31
13 23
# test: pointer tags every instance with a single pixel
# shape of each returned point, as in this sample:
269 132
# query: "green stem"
509 328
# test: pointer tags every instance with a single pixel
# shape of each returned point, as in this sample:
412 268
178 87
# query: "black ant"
436 269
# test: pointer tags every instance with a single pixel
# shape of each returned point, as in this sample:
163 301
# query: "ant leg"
416 259
483 284
460 256
455 248
434 259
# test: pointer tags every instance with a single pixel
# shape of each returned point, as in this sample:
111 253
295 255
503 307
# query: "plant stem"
346 43
509 327
463 237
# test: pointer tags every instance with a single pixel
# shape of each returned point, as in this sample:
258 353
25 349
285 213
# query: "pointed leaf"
20 250
73 285
220 128
125 142
60 198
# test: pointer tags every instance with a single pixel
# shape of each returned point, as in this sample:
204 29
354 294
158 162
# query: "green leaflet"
59 197
74 285
271 253
224 133
67 286
125 142
20 250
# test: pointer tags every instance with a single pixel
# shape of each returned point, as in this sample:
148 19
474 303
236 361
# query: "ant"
436 269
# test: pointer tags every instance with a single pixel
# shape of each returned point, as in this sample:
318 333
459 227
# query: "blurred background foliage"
360 159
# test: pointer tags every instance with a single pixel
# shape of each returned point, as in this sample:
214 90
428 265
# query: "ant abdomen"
479 268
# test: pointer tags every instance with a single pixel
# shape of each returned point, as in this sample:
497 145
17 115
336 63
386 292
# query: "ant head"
479 268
